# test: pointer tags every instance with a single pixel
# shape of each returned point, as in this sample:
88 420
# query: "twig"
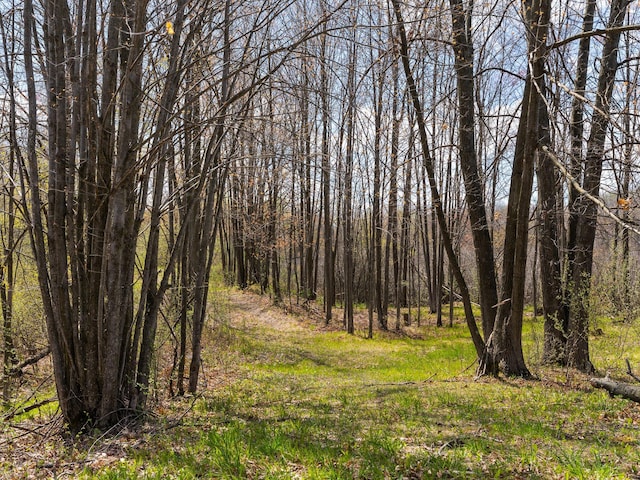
467 368
455 443
42 430
28 430
630 372
32 431
178 420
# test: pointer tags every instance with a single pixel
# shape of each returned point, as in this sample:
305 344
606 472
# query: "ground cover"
286 397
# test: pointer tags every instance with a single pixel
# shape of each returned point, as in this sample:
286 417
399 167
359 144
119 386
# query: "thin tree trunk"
550 263
392 221
7 274
478 342
329 279
474 187
348 193
405 230
376 231
576 131
150 295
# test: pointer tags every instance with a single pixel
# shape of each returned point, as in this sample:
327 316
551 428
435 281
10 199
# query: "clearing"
284 397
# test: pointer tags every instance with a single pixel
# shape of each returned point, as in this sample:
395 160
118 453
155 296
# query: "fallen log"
625 390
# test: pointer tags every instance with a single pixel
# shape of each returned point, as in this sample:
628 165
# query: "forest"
455 175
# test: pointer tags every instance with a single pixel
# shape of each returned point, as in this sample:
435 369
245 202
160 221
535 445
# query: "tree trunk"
578 334
405 230
121 230
554 348
504 347
211 213
474 188
435 195
392 221
576 131
8 222
329 279
348 193
151 295
376 230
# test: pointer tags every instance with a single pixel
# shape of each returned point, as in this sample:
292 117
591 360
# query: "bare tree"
329 278
584 210
435 195
348 185
9 238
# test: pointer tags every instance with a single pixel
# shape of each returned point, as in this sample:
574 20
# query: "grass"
325 405
305 402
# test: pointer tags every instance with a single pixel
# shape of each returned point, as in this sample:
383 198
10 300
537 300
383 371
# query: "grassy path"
284 397
303 401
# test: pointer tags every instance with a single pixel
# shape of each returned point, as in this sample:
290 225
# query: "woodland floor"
284 397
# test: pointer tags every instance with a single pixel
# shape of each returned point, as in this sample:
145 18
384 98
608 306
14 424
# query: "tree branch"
29 408
594 198
17 370
630 372
593 33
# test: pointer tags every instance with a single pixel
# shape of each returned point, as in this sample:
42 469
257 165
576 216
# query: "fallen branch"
630 372
19 409
15 413
625 390
397 384
17 370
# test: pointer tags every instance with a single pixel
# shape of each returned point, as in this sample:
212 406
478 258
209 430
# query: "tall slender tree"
583 208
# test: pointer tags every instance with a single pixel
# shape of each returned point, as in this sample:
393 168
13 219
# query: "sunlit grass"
40 405
314 404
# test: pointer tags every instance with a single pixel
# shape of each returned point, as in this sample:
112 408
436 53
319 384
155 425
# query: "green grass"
315 404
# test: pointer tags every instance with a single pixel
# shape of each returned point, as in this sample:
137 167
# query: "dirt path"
247 309
250 310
